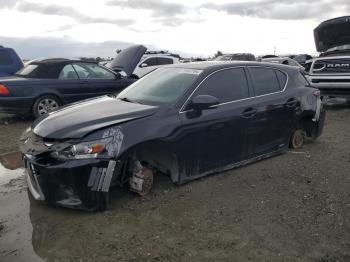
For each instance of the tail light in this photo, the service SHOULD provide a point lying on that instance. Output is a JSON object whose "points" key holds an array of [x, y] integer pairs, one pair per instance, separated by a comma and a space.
{"points": [[4, 90]]}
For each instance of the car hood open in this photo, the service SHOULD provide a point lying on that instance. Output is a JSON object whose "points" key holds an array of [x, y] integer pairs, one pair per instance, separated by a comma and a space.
{"points": [[128, 59], [80, 119], [332, 33]]}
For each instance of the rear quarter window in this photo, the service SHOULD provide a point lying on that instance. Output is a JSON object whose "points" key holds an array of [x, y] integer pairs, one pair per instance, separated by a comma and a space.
{"points": [[300, 80], [282, 78], [5, 58]]}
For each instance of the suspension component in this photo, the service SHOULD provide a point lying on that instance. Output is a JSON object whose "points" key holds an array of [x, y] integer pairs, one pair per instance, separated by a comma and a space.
{"points": [[141, 180]]}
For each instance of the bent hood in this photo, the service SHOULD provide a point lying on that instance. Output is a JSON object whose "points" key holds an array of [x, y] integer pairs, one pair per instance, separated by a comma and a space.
{"points": [[128, 59], [83, 118], [332, 33]]}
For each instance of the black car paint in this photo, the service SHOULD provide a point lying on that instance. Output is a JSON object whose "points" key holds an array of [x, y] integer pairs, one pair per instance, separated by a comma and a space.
{"points": [[195, 143], [25, 91]]}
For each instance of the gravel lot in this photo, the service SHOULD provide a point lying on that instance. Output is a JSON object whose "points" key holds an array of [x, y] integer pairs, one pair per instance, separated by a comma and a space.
{"points": [[293, 207]]}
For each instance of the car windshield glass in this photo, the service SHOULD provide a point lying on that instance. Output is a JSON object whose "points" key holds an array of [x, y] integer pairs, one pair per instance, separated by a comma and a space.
{"points": [[161, 87]]}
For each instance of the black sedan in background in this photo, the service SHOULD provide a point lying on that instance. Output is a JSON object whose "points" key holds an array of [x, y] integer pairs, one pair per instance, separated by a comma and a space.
{"points": [[185, 121], [44, 85]]}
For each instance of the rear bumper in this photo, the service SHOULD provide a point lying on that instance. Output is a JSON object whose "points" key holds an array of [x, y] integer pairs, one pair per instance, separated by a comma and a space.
{"points": [[78, 184], [320, 122], [15, 105]]}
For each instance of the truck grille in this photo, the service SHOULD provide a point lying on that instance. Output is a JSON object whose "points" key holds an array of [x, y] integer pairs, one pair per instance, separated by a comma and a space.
{"points": [[332, 66]]}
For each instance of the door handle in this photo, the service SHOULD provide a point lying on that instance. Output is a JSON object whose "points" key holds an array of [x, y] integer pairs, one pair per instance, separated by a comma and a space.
{"points": [[291, 102], [249, 112], [84, 82]]}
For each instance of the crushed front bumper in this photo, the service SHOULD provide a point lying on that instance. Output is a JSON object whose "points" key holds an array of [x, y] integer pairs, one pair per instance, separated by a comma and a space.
{"points": [[78, 184]]}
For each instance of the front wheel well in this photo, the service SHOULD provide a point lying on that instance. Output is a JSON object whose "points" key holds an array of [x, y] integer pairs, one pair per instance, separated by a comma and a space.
{"points": [[155, 155]]}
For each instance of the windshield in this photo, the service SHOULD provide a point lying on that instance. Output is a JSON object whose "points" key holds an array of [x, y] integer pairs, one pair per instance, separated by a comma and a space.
{"points": [[162, 86]]}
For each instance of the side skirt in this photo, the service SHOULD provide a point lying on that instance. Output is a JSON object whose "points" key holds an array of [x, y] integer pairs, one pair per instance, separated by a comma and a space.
{"points": [[184, 180]]}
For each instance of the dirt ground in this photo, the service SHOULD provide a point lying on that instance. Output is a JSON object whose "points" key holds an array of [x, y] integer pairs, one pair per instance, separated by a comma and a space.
{"points": [[293, 207]]}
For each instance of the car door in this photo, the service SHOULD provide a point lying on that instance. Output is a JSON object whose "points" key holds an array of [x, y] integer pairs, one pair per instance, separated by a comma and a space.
{"points": [[216, 138], [96, 80], [68, 84], [275, 110]]}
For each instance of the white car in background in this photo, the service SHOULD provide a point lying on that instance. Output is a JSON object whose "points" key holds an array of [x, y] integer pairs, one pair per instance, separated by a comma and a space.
{"points": [[146, 61]]}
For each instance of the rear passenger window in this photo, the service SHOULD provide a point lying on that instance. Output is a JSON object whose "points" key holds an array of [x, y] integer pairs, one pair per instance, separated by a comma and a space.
{"points": [[282, 78], [5, 58], [226, 85], [265, 81]]}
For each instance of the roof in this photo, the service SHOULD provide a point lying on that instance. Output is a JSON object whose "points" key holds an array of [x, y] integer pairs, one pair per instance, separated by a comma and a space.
{"points": [[215, 65], [59, 61]]}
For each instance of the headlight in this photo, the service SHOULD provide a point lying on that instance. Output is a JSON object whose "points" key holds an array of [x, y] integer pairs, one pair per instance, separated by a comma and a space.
{"points": [[92, 149]]}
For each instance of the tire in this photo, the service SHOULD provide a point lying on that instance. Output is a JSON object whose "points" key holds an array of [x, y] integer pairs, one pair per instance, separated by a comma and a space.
{"points": [[297, 139], [45, 104]]}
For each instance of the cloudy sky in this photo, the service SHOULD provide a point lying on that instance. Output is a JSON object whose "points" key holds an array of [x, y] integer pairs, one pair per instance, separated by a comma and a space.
{"points": [[44, 28]]}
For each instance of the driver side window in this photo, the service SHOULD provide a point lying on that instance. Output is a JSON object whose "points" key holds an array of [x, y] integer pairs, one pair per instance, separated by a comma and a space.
{"points": [[92, 71], [67, 73], [82, 72]]}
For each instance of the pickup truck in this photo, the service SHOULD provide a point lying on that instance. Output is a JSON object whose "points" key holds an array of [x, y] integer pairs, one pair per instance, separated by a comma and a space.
{"points": [[330, 72]]}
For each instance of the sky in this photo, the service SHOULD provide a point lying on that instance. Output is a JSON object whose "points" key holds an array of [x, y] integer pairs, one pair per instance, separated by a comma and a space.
{"points": [[74, 28]]}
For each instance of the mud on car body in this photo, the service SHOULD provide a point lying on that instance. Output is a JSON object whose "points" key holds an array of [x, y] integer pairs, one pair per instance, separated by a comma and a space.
{"points": [[185, 121]]}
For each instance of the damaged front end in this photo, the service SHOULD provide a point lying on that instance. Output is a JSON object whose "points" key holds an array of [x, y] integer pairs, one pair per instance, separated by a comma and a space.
{"points": [[72, 173]]}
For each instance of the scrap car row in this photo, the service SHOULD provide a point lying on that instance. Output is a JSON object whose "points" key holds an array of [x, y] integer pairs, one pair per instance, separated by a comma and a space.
{"points": [[148, 113]]}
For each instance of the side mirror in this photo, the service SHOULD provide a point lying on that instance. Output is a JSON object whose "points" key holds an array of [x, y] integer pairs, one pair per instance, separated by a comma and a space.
{"points": [[120, 75], [143, 65], [202, 102]]}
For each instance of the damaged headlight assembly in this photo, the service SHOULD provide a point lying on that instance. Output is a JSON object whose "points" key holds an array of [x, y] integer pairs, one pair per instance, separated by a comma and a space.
{"points": [[85, 150]]}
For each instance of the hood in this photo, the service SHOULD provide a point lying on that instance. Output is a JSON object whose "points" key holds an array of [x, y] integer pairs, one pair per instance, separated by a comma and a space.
{"points": [[332, 33], [82, 118], [128, 59]]}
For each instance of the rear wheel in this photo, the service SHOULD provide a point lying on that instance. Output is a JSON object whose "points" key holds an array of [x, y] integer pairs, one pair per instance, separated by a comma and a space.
{"points": [[297, 139], [45, 104]]}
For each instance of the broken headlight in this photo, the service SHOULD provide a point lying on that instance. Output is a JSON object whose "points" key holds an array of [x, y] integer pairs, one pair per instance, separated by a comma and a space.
{"points": [[85, 150]]}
